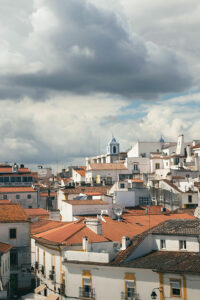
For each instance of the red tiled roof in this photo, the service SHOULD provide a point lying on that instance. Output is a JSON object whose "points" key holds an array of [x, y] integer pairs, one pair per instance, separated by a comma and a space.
{"points": [[70, 234], [87, 189], [5, 201], [16, 189], [10, 170], [45, 225], [93, 194], [12, 212], [36, 212], [196, 146], [135, 224], [136, 180], [109, 166], [80, 172], [4, 248], [45, 194]]}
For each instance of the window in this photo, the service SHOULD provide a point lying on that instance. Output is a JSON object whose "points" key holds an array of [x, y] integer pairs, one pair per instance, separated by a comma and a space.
{"points": [[175, 285], [143, 201], [86, 287], [18, 179], [13, 257], [182, 245], [157, 166], [130, 289], [12, 179], [5, 197], [1, 179], [17, 196], [114, 149], [190, 198], [135, 167], [122, 185], [162, 244], [29, 196], [30, 206], [6, 179], [12, 233], [25, 179]]}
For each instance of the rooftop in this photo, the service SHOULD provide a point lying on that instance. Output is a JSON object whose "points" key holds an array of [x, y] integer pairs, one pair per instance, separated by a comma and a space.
{"points": [[109, 166], [4, 248], [45, 225], [179, 227], [168, 261], [87, 189], [86, 202], [19, 189], [69, 234], [36, 212], [12, 212]]}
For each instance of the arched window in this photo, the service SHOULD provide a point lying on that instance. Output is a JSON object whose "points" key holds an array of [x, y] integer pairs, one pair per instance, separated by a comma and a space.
{"points": [[114, 149]]}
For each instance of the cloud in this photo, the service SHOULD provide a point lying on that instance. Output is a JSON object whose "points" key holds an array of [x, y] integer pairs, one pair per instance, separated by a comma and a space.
{"points": [[75, 46], [67, 131]]}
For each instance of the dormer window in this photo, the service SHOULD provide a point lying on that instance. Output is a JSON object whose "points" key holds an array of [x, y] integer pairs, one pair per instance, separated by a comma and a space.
{"points": [[162, 244], [182, 245]]}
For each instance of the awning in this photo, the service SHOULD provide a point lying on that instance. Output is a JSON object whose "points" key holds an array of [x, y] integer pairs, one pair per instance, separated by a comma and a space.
{"points": [[39, 288], [52, 297]]}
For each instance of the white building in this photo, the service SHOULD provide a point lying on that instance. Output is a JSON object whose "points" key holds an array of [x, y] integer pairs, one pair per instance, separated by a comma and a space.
{"points": [[15, 230], [130, 193], [170, 271], [68, 242], [4, 270], [112, 155], [105, 173]]}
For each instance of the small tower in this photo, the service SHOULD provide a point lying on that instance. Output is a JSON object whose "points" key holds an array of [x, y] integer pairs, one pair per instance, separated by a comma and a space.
{"points": [[113, 147], [112, 150], [180, 145]]}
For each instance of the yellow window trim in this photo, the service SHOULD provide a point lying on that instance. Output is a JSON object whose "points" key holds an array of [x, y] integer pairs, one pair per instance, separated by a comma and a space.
{"points": [[178, 280], [129, 277]]}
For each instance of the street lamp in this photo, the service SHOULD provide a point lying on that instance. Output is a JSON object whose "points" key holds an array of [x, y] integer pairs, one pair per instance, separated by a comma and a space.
{"points": [[153, 293]]}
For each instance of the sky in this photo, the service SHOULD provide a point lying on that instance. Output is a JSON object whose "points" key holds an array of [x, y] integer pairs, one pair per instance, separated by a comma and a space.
{"points": [[75, 72]]}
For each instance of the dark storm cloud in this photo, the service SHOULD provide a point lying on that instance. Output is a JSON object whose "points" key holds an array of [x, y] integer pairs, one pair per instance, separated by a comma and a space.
{"points": [[88, 51]]}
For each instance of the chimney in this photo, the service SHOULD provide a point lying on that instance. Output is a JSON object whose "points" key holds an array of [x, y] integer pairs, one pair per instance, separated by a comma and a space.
{"points": [[125, 242], [188, 151], [94, 225], [196, 160], [85, 243]]}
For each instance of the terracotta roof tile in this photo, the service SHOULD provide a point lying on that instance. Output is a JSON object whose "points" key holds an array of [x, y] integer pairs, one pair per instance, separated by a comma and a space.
{"points": [[70, 234], [111, 166], [45, 225], [168, 261], [36, 212], [80, 172], [12, 212], [4, 248], [87, 189], [16, 189]]}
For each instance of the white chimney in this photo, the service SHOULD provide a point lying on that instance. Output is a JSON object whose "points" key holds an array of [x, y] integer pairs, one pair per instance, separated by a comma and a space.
{"points": [[85, 243], [196, 160], [125, 242], [94, 225]]}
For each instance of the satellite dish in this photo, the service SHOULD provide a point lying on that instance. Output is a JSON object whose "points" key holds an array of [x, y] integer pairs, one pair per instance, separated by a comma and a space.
{"points": [[118, 212]]}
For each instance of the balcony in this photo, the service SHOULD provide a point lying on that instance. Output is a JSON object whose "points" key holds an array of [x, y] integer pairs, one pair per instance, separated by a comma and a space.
{"points": [[125, 296], [86, 293]]}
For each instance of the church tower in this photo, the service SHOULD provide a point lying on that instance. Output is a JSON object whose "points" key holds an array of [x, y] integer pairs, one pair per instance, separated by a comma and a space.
{"points": [[112, 150]]}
